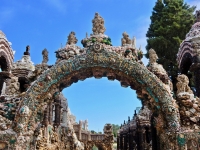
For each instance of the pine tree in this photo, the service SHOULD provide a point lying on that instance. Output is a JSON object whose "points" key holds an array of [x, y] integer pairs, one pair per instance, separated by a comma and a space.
{"points": [[171, 20]]}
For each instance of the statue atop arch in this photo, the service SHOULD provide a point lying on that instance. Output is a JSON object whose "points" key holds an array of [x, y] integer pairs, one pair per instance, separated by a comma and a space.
{"points": [[72, 39], [98, 24], [27, 50], [45, 56], [158, 69], [125, 40]]}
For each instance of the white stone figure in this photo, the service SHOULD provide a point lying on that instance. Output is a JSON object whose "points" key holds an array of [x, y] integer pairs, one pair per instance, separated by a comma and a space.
{"points": [[183, 87], [3, 91]]}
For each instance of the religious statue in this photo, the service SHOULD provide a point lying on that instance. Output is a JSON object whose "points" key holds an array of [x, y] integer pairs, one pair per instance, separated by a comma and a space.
{"points": [[98, 24], [3, 91], [45, 56], [125, 40], [155, 67], [72, 39], [158, 69], [182, 85], [27, 50]]}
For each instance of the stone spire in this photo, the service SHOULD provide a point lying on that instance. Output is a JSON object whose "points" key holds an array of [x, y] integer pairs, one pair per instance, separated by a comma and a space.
{"points": [[98, 24], [197, 15]]}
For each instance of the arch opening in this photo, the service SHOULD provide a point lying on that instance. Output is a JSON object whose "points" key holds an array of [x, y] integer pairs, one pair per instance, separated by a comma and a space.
{"points": [[3, 63]]}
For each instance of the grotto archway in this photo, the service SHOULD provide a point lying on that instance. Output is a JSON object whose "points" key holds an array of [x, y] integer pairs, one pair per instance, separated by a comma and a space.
{"points": [[97, 64]]}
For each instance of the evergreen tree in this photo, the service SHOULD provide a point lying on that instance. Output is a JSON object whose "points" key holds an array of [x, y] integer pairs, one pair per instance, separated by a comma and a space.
{"points": [[171, 20]]}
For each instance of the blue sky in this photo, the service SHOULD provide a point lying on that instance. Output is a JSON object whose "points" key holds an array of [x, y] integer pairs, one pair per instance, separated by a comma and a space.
{"points": [[47, 23]]}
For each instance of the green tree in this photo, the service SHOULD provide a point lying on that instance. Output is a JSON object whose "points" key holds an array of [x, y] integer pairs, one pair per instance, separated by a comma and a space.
{"points": [[93, 132], [171, 20], [115, 129]]}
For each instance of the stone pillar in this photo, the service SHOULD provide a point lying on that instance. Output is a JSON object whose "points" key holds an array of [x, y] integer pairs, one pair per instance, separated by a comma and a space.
{"points": [[131, 140], [125, 141], [79, 131], [141, 139], [118, 142], [57, 103], [46, 114], [50, 113], [64, 117], [121, 142]]}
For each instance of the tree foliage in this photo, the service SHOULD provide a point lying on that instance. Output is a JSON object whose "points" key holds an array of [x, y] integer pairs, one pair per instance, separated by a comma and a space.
{"points": [[171, 20], [115, 129]]}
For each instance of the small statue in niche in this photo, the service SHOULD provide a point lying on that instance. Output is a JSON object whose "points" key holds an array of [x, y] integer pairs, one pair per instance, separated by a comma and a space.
{"points": [[72, 39], [45, 56], [125, 40], [182, 85], [27, 50]]}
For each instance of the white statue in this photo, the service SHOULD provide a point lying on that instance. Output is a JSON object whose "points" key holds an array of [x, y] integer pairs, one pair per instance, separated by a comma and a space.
{"points": [[3, 91]]}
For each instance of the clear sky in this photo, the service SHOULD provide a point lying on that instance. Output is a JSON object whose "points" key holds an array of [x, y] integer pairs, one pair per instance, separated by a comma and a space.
{"points": [[47, 23]]}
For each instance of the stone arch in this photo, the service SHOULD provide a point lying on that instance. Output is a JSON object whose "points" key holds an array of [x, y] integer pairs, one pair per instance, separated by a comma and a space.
{"points": [[186, 62], [4, 62], [97, 64], [6, 53], [185, 51]]}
